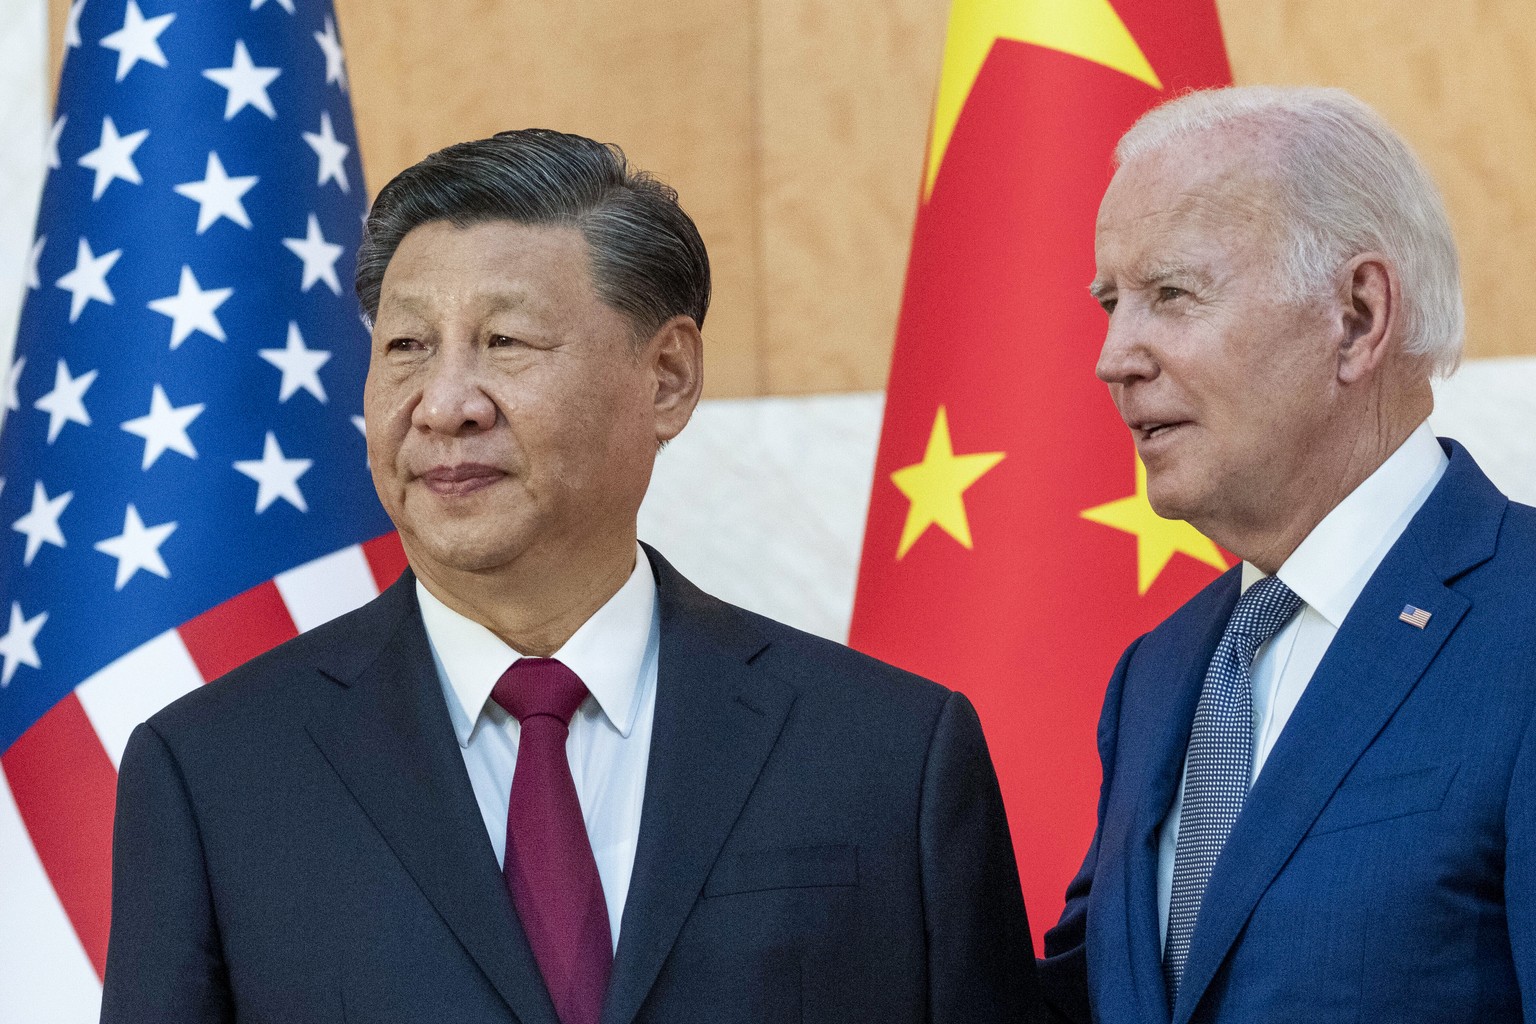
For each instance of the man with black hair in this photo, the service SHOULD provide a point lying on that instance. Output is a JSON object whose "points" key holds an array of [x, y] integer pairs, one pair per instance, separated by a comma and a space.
{"points": [[543, 778]]}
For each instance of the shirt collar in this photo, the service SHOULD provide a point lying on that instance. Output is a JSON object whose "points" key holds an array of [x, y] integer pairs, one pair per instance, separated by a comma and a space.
{"points": [[1331, 566], [609, 652]]}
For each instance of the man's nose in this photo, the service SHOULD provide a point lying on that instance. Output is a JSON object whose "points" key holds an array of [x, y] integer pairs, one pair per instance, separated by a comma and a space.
{"points": [[1125, 355], [453, 399]]}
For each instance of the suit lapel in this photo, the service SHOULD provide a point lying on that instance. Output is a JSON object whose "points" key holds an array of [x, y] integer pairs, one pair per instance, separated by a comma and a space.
{"points": [[1370, 668], [717, 719], [388, 737], [1175, 691]]}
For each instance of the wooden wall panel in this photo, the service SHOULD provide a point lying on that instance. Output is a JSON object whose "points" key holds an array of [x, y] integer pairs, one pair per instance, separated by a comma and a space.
{"points": [[794, 130], [846, 93]]}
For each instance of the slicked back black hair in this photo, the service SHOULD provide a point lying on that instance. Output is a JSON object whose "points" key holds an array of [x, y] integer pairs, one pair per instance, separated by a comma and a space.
{"points": [[647, 259]]}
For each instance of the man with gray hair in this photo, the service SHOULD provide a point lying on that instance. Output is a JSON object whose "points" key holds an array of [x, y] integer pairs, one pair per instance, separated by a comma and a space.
{"points": [[1319, 775], [543, 778]]}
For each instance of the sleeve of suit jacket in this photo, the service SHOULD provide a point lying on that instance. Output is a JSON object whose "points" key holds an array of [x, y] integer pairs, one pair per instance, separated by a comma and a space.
{"points": [[973, 905], [1064, 971], [166, 964]]}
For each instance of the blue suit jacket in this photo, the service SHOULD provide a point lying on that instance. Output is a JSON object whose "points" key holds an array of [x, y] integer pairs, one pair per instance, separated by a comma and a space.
{"points": [[1384, 866], [822, 838]]}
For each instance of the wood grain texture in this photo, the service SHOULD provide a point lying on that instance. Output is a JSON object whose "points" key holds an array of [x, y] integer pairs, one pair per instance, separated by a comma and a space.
{"points": [[794, 130], [846, 96]]}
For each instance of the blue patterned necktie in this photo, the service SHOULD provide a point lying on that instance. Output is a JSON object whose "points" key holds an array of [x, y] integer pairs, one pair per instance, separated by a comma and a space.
{"points": [[1219, 763]]}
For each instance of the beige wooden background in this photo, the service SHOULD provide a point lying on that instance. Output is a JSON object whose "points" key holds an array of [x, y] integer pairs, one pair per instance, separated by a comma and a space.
{"points": [[794, 130]]}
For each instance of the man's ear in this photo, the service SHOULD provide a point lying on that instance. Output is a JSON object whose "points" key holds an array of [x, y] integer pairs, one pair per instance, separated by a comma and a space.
{"points": [[676, 355], [1370, 294]]}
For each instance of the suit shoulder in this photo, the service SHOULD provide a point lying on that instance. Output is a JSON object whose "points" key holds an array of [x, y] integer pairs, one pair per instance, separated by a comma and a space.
{"points": [[815, 664], [800, 656], [283, 681], [1519, 530], [834, 656], [1505, 579]]}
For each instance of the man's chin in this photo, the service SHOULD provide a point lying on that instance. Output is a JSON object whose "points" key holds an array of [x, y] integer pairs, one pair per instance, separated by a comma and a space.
{"points": [[1172, 498], [451, 553]]}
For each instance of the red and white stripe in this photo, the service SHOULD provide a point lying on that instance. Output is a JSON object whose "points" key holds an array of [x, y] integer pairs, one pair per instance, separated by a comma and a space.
{"points": [[59, 780]]}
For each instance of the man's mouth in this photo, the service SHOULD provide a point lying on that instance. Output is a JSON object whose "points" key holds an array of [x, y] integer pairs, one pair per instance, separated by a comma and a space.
{"points": [[1150, 430], [462, 478]]}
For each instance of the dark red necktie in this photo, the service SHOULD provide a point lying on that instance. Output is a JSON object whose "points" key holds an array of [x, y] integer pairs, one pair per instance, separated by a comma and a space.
{"points": [[549, 867]]}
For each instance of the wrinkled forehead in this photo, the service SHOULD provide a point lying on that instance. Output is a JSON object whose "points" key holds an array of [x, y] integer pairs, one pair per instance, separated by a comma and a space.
{"points": [[1219, 172], [1209, 188]]}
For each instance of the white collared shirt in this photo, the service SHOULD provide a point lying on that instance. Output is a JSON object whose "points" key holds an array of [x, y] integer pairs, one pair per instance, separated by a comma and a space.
{"points": [[1328, 570], [614, 653]]}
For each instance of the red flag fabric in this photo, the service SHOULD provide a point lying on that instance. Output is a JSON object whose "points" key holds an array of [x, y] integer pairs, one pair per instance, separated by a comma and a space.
{"points": [[1010, 551]]}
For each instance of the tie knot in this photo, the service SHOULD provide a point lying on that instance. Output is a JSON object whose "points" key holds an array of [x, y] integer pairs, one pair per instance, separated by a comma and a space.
{"points": [[539, 686], [1263, 609]]}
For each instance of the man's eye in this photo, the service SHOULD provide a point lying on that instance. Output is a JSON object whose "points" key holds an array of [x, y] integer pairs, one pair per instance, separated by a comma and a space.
{"points": [[502, 341], [403, 345], [1168, 293], [1108, 304]]}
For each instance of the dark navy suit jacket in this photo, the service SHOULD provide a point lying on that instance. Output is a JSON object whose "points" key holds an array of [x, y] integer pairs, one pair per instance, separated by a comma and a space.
{"points": [[822, 839], [1383, 869]]}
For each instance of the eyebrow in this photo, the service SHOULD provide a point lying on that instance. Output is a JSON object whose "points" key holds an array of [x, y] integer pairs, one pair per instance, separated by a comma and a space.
{"points": [[1149, 277], [493, 302], [1158, 273]]}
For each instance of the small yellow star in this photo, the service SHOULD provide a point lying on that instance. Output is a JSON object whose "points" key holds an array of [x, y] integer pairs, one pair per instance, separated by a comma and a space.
{"points": [[935, 485], [1157, 539]]}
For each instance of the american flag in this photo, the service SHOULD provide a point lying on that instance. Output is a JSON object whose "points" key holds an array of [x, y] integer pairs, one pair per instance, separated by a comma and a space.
{"points": [[184, 474]]}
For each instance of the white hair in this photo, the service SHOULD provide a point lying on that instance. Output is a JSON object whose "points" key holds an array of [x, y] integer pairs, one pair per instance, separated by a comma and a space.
{"points": [[1348, 184]]}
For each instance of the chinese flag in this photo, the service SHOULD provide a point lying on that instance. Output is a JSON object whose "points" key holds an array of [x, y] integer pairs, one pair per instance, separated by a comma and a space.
{"points": [[1010, 551]]}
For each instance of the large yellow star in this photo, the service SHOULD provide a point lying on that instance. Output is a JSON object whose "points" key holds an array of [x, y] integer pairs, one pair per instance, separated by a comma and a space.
{"points": [[1157, 539], [1083, 28], [935, 486]]}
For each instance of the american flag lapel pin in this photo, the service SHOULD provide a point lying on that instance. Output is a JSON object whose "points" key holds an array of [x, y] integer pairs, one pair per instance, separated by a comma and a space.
{"points": [[1415, 617]]}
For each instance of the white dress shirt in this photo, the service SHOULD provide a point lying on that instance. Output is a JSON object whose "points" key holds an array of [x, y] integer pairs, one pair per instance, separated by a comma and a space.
{"points": [[614, 653], [1328, 570]]}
